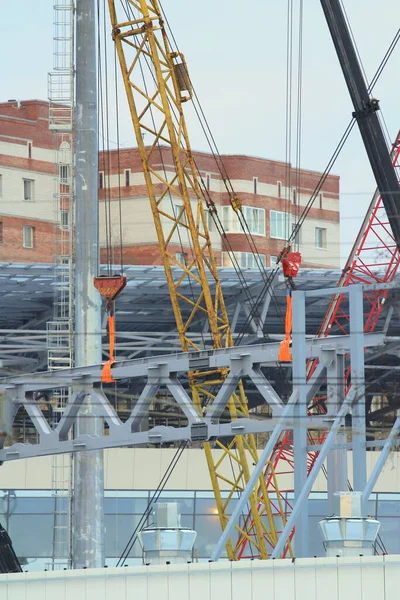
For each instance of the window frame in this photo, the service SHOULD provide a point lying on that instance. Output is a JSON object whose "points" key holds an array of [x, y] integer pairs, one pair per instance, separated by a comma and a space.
{"points": [[245, 260], [32, 232], [26, 180], [323, 239], [230, 220], [64, 225], [284, 225], [261, 219]]}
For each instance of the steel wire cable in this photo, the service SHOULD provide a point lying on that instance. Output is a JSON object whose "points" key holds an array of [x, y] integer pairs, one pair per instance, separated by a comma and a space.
{"points": [[142, 521], [217, 157], [332, 160]]}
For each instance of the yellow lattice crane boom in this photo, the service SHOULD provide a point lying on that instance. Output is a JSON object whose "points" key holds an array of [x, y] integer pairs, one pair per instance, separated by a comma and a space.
{"points": [[157, 84]]}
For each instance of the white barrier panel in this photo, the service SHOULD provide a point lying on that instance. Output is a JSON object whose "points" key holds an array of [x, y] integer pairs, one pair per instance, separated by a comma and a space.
{"points": [[361, 578]]}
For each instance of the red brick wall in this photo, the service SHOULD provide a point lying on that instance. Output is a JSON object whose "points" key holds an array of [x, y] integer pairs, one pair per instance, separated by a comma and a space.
{"points": [[11, 248], [28, 120]]}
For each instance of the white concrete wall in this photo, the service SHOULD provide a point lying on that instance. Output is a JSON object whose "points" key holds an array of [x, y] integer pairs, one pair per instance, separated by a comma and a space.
{"points": [[364, 578], [21, 151], [320, 256], [143, 468], [12, 201]]}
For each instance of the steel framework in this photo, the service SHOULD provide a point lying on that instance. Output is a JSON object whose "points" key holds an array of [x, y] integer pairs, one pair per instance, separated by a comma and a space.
{"points": [[374, 259], [242, 362], [157, 84]]}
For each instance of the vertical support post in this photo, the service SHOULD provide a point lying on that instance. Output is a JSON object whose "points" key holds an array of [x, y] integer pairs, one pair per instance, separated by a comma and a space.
{"points": [[337, 471], [337, 458], [88, 509], [300, 414], [358, 383]]}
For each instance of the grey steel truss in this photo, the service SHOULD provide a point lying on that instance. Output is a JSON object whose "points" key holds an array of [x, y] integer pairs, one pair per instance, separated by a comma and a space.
{"points": [[340, 403], [168, 372]]}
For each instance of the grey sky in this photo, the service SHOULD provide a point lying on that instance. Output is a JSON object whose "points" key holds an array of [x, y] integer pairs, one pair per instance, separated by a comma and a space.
{"points": [[236, 57]]}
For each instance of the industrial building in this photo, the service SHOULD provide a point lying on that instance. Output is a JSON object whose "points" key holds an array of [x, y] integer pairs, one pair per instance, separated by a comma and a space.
{"points": [[214, 409]]}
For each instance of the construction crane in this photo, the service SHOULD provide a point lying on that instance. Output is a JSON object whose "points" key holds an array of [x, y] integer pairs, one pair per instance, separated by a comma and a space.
{"points": [[375, 254], [181, 211]]}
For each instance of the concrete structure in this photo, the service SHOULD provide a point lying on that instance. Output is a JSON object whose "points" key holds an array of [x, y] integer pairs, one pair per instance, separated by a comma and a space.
{"points": [[27, 173], [361, 578]]}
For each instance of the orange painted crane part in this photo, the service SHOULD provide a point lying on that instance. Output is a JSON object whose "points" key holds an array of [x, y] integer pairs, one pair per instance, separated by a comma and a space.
{"points": [[109, 288], [285, 354], [291, 264]]}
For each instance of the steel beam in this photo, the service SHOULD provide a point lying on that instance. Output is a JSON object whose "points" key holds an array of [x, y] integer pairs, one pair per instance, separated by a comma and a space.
{"points": [[376, 471], [358, 384], [299, 371]]}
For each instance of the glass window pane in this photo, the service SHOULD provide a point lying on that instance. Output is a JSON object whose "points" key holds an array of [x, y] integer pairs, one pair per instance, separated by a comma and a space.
{"points": [[390, 534], [32, 535], [315, 537], [206, 506], [208, 533], [125, 505], [185, 505], [32, 505], [388, 508], [118, 530]]}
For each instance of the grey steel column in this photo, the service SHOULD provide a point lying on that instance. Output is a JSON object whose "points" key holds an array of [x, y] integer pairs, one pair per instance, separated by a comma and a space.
{"points": [[337, 471], [88, 509], [300, 417], [337, 458], [357, 382]]}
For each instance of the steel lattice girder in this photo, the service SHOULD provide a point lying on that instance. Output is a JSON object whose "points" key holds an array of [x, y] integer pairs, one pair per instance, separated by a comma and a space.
{"points": [[156, 372]]}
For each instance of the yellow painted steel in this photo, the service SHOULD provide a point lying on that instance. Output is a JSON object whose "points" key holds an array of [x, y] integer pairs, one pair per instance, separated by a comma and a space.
{"points": [[156, 82]]}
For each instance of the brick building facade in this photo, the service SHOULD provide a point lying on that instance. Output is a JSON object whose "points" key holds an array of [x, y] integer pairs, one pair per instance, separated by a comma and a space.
{"points": [[28, 221]]}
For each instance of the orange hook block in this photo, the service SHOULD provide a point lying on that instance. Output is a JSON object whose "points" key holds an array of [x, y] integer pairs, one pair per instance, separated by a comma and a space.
{"points": [[109, 287]]}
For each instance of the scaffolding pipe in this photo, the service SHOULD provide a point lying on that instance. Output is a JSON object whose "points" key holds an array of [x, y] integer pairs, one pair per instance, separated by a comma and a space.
{"points": [[88, 511]]}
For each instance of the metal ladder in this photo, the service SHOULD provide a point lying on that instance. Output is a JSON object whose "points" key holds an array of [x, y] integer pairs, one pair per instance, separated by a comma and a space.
{"points": [[60, 348]]}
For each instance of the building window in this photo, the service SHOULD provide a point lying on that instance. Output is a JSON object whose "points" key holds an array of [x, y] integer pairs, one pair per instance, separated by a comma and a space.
{"points": [[208, 182], [180, 215], [255, 183], [64, 220], [28, 189], [320, 200], [279, 222], [181, 257], [294, 196], [127, 177], [245, 260], [273, 261], [279, 185], [230, 220], [296, 238], [27, 236], [320, 237], [209, 220], [29, 150], [255, 219], [101, 180], [64, 174], [1, 232]]}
